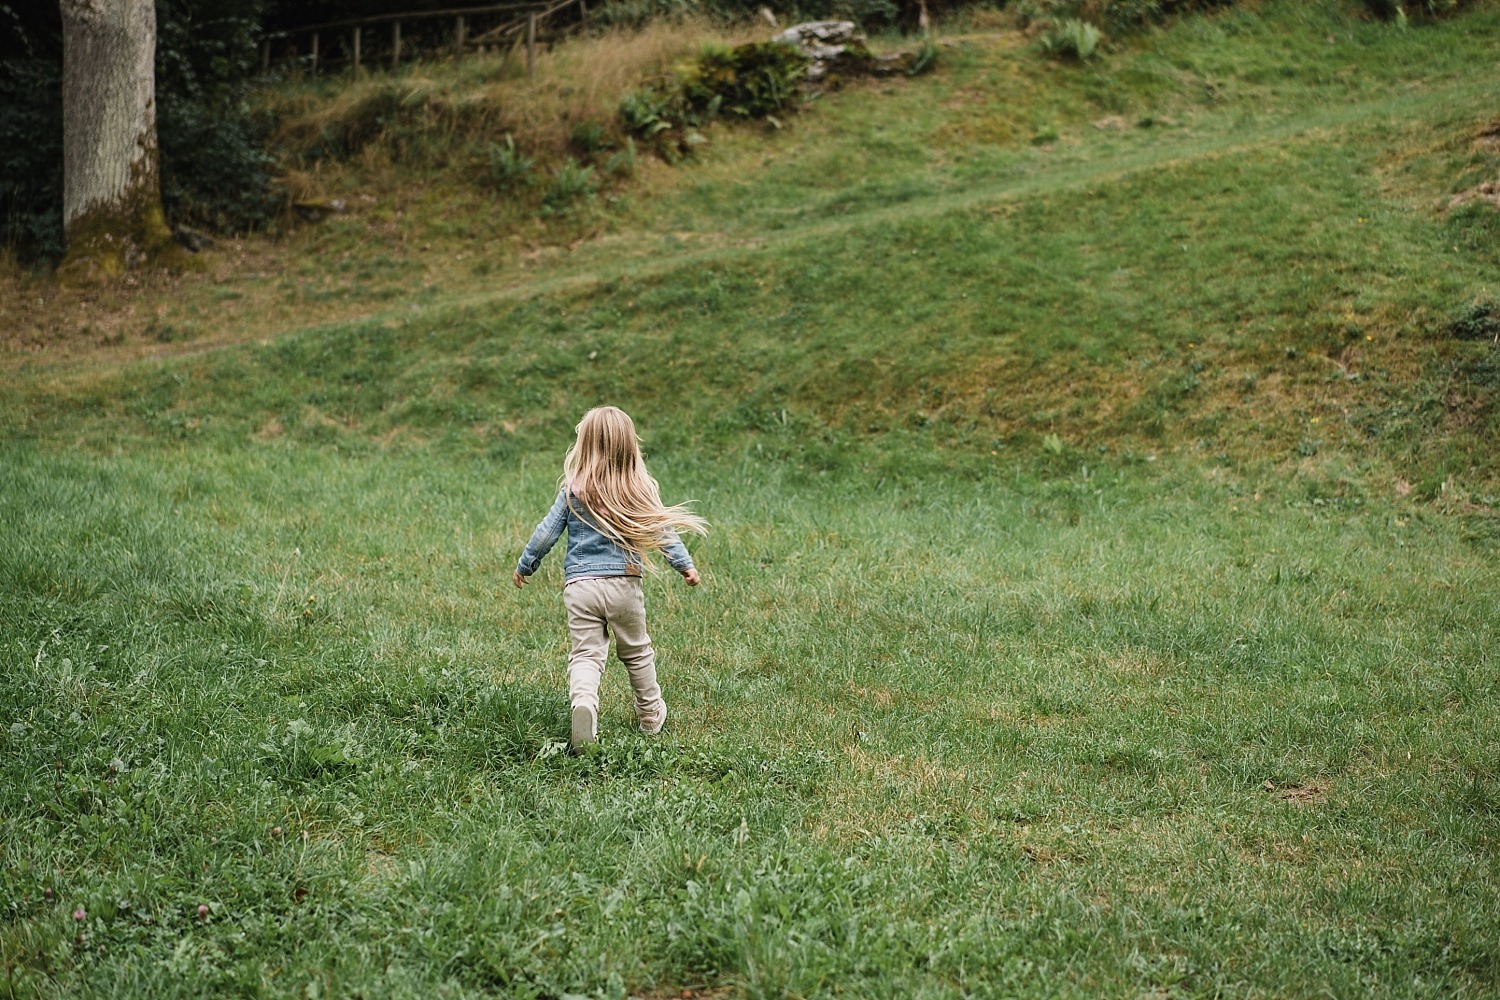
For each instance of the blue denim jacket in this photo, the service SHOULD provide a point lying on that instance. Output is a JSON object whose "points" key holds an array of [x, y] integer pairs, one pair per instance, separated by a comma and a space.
{"points": [[590, 551]]}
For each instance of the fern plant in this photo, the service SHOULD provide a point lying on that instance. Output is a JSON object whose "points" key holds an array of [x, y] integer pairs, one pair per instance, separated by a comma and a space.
{"points": [[1071, 39], [573, 182], [924, 59], [509, 167]]}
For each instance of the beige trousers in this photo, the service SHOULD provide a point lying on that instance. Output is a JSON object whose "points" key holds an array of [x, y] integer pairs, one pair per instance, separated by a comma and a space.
{"points": [[595, 608]]}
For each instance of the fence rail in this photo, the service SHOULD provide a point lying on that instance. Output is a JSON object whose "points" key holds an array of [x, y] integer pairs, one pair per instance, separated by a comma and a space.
{"points": [[528, 20]]}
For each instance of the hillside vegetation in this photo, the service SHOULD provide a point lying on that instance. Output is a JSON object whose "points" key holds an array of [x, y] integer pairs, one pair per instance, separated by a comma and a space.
{"points": [[1100, 597], [1234, 235]]}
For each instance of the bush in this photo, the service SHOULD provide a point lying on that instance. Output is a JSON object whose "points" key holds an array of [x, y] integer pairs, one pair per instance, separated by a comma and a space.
{"points": [[31, 157], [1480, 321], [746, 81], [509, 167], [1071, 39], [622, 162], [1128, 14], [1119, 15], [589, 138], [924, 59], [757, 80], [646, 112], [572, 183], [1398, 10], [215, 171]]}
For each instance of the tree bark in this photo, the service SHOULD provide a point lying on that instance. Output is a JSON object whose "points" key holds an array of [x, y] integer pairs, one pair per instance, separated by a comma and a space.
{"points": [[112, 213]]}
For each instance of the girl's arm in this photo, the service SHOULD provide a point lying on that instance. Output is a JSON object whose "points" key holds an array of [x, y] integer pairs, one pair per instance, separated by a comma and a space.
{"points": [[543, 538], [677, 555]]}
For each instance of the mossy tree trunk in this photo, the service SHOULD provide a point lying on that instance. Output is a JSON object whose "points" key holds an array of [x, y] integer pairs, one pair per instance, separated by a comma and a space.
{"points": [[112, 214]]}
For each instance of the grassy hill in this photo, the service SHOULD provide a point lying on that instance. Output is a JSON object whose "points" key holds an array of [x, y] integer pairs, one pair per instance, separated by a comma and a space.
{"points": [[1100, 599], [1214, 238]]}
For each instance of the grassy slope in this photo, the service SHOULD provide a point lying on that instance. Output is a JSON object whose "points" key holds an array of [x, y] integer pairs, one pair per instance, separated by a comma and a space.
{"points": [[957, 713], [1269, 258]]}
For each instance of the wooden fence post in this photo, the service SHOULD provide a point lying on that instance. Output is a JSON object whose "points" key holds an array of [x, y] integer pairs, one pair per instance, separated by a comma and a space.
{"points": [[395, 44], [531, 45], [315, 54], [356, 48], [458, 37]]}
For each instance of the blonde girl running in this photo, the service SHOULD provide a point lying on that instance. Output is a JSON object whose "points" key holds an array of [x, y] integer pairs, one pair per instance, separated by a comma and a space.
{"points": [[612, 511]]}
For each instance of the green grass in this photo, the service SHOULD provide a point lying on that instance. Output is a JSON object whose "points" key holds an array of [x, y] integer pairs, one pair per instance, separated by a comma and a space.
{"points": [[1101, 597], [1052, 736]]}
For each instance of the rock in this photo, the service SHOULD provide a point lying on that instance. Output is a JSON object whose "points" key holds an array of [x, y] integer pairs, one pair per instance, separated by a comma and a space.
{"points": [[192, 240], [895, 62], [837, 48], [812, 34], [826, 43], [317, 211]]}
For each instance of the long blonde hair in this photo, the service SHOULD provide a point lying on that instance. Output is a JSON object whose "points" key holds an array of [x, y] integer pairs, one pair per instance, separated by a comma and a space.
{"points": [[605, 470]]}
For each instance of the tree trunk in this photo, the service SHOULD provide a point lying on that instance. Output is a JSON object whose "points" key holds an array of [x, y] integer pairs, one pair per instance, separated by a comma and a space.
{"points": [[112, 214]]}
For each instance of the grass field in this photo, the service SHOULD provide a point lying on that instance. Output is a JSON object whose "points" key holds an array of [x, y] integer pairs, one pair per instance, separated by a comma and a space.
{"points": [[1101, 598]]}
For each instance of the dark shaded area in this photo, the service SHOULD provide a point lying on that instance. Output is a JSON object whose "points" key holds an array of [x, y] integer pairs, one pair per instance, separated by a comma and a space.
{"points": [[214, 168]]}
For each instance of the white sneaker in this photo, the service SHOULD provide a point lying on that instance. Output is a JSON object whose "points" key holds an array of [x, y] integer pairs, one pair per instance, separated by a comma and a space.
{"points": [[585, 728], [652, 730]]}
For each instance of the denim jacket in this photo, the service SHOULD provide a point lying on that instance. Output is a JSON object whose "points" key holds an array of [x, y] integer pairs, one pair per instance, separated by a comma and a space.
{"points": [[590, 551]]}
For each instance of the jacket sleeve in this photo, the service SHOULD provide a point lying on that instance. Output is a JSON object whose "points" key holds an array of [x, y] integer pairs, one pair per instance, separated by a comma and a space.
{"points": [[676, 552], [545, 536]]}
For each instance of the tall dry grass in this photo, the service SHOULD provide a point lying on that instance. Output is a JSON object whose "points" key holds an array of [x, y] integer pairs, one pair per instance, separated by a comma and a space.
{"points": [[439, 109]]}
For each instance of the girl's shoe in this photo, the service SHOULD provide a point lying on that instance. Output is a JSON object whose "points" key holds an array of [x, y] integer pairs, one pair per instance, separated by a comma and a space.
{"points": [[585, 728], [656, 724]]}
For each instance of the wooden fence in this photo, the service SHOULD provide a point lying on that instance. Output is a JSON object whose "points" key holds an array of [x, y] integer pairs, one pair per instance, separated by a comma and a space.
{"points": [[511, 22]]}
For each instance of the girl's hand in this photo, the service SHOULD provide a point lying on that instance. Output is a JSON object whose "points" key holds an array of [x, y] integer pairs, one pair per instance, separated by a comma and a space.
{"points": [[692, 577], [519, 579]]}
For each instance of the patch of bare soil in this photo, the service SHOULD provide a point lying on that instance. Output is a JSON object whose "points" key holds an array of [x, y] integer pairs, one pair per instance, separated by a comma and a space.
{"points": [[1489, 135], [1297, 793], [1488, 192], [1486, 139]]}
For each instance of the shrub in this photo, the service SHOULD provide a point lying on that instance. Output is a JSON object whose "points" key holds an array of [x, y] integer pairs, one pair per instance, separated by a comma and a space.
{"points": [[215, 171], [645, 112], [747, 81], [1071, 39], [621, 163], [31, 158], [1480, 321], [589, 138], [573, 182], [509, 167], [1119, 15], [756, 80], [1397, 10], [1128, 14], [924, 59]]}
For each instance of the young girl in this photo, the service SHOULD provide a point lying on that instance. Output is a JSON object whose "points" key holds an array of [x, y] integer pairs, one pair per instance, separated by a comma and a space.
{"points": [[612, 510]]}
